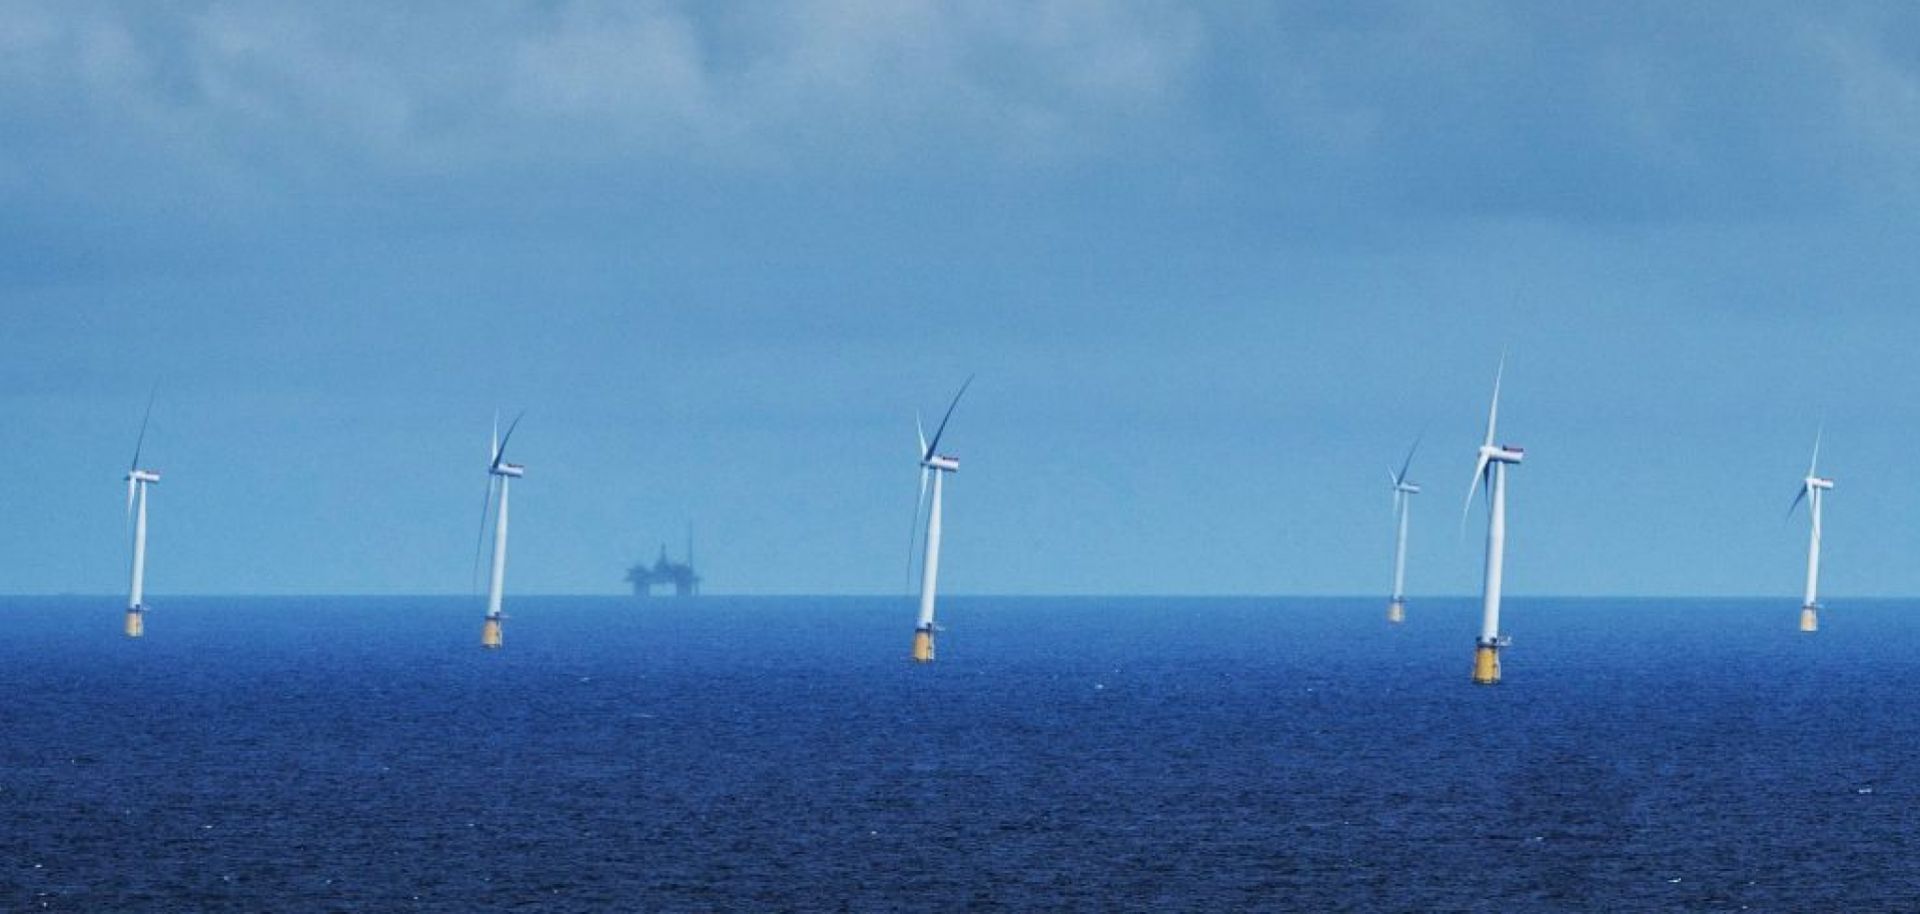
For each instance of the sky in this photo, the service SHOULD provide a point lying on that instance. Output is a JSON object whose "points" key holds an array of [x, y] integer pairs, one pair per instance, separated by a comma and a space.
{"points": [[1215, 266]]}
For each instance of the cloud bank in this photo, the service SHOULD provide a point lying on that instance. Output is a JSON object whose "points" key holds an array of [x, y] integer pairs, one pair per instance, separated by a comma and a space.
{"points": [[1522, 110]]}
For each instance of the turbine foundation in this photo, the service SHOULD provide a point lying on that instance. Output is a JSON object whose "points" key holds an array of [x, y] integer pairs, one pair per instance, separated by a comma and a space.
{"points": [[490, 633], [1397, 612], [1809, 619], [1486, 663], [923, 645], [136, 622]]}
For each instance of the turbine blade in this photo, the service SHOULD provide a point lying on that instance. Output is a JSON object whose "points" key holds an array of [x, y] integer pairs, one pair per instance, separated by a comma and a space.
{"points": [[141, 441], [500, 450], [1493, 411], [920, 430], [1408, 463], [1798, 497], [493, 445], [130, 485], [1479, 472], [931, 446], [913, 533], [480, 542], [1813, 464]]}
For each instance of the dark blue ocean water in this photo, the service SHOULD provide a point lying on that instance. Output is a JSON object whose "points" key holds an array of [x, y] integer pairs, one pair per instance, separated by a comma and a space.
{"points": [[363, 754]]}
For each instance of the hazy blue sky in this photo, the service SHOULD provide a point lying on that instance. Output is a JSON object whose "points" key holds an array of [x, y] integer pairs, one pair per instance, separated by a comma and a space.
{"points": [[1215, 266]]}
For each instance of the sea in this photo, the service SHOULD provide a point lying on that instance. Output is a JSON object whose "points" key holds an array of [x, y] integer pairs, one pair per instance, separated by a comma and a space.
{"points": [[1063, 754]]}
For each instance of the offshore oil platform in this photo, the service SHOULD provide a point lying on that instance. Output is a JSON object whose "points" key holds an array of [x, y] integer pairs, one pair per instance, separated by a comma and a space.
{"points": [[665, 573]]}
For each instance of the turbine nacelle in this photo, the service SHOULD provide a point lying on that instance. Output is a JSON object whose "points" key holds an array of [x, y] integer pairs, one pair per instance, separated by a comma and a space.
{"points": [[1505, 453], [147, 476], [508, 469], [942, 463], [1407, 488], [1816, 482]]}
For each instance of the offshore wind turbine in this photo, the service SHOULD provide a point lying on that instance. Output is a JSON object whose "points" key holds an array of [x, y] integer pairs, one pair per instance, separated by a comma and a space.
{"points": [[938, 465], [1492, 467], [138, 480], [1812, 491], [500, 475], [1403, 492]]}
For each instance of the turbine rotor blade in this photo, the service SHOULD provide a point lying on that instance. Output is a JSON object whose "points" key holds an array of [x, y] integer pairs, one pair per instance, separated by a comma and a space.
{"points": [[913, 533], [935, 443], [480, 542], [1479, 471], [1493, 411], [1813, 464], [1408, 463], [920, 430], [141, 441], [500, 450], [1798, 497], [130, 485]]}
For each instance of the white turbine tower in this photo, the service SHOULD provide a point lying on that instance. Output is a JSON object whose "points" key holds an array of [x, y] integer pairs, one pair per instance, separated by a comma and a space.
{"points": [[938, 465], [500, 474], [1812, 490], [1403, 492], [1492, 467], [137, 482]]}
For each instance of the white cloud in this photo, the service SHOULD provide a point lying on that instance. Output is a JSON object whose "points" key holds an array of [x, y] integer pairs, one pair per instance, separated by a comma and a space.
{"points": [[1878, 104], [459, 86], [610, 79], [1455, 108]]}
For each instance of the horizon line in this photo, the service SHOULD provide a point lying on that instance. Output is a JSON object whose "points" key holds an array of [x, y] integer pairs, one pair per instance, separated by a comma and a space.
{"points": [[958, 596]]}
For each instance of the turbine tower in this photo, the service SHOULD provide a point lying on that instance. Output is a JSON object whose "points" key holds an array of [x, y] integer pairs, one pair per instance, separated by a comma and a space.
{"points": [[1403, 492], [1812, 490], [500, 474], [137, 482], [1492, 467], [938, 465]]}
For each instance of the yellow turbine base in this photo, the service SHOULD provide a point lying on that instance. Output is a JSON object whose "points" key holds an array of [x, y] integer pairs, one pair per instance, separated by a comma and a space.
{"points": [[1396, 612], [1486, 664], [490, 634], [922, 646], [136, 623], [1809, 619]]}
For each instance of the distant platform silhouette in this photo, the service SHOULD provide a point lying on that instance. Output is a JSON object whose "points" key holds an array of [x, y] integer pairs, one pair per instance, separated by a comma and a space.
{"points": [[665, 574]]}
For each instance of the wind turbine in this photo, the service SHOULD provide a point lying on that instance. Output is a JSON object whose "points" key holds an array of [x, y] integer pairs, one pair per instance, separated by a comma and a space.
{"points": [[1403, 492], [500, 474], [1492, 467], [1812, 490], [137, 482], [937, 465]]}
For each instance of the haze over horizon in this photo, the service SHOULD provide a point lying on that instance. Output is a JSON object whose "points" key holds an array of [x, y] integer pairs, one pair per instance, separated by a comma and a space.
{"points": [[1215, 269]]}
